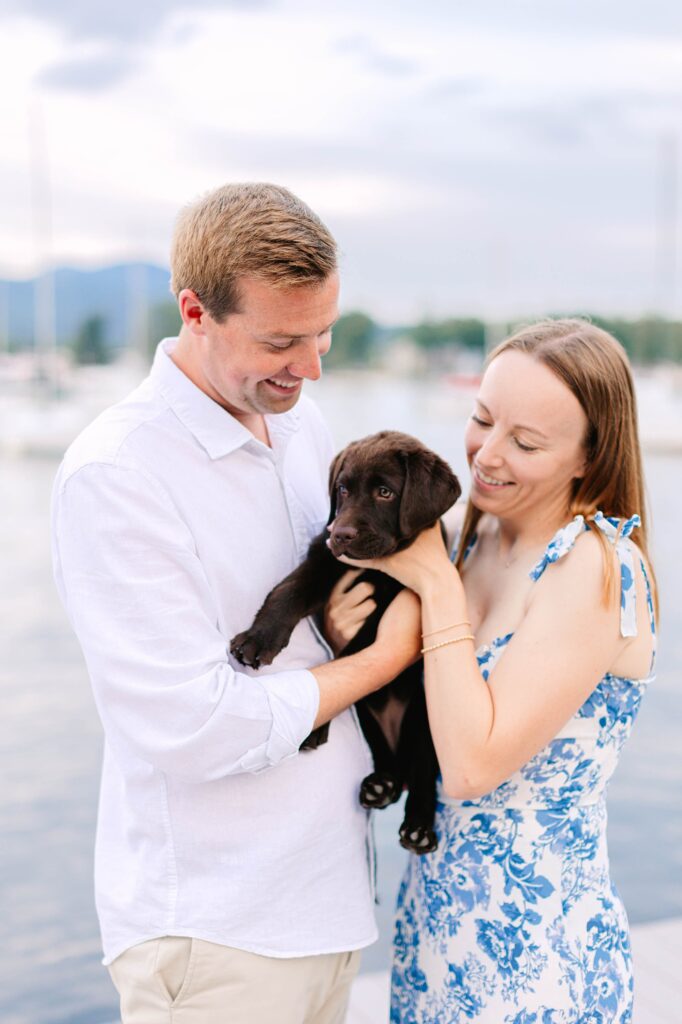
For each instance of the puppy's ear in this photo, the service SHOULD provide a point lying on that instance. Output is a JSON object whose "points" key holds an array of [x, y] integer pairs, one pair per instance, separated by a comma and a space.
{"points": [[431, 488], [338, 463], [334, 470]]}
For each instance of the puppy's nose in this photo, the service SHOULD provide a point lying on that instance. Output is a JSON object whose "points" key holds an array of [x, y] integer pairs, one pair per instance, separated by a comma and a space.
{"points": [[344, 535]]}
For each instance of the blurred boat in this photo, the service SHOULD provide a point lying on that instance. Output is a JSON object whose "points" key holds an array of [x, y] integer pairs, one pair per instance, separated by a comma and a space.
{"points": [[464, 380]]}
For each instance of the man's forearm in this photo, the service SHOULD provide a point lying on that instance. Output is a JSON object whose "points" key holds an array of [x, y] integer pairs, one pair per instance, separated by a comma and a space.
{"points": [[346, 680]]}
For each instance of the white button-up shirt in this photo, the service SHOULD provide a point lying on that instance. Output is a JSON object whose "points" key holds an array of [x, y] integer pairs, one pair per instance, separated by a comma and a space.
{"points": [[171, 523]]}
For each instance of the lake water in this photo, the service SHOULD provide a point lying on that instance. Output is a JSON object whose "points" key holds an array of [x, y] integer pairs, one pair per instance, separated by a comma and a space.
{"points": [[50, 743]]}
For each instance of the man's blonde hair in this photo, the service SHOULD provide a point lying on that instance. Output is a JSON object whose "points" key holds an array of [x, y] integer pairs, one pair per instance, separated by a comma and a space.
{"points": [[251, 229]]}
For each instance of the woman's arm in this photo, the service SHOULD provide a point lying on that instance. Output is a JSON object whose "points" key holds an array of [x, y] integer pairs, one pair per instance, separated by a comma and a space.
{"points": [[483, 732]]}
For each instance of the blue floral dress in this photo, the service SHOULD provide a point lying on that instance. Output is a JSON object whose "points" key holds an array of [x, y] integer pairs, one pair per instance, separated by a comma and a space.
{"points": [[514, 919]]}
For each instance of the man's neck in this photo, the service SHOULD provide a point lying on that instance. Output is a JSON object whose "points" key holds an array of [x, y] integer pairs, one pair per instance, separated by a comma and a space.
{"points": [[258, 427], [254, 422]]}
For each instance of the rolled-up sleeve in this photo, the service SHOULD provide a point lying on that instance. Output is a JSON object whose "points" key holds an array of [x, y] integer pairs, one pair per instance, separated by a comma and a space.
{"points": [[134, 588]]}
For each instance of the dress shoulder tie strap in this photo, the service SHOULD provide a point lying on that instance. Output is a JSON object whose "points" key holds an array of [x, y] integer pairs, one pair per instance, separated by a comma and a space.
{"points": [[561, 543], [617, 532]]}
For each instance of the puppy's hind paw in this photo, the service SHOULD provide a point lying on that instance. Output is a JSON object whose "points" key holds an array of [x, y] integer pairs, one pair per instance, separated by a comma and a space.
{"points": [[418, 838], [379, 790]]}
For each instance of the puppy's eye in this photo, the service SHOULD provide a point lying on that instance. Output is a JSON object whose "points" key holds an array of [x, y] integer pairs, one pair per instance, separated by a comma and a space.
{"points": [[386, 493], [342, 491]]}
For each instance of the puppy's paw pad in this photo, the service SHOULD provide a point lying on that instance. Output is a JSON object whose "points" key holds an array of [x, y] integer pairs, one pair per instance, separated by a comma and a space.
{"points": [[379, 790], [418, 838]]}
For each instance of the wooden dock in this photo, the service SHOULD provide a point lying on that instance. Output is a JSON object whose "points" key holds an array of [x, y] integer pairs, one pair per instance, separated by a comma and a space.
{"points": [[657, 955]]}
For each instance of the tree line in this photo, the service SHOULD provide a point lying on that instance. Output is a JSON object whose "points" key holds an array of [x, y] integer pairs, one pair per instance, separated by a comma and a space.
{"points": [[357, 337], [359, 340]]}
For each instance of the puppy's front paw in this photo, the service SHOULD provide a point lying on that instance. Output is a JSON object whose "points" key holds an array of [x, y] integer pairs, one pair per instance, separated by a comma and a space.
{"points": [[379, 790], [417, 838], [256, 647], [246, 648]]}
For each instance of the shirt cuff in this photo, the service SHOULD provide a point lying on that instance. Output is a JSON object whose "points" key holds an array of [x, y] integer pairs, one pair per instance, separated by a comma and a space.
{"points": [[294, 699]]}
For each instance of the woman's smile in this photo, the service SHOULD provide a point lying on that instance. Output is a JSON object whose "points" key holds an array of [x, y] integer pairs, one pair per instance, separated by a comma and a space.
{"points": [[487, 482]]}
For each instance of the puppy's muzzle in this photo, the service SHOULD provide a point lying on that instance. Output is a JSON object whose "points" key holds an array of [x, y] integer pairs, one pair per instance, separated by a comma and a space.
{"points": [[341, 538], [355, 543]]}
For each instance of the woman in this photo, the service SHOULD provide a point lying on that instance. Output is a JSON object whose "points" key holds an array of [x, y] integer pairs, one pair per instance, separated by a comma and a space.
{"points": [[538, 646]]}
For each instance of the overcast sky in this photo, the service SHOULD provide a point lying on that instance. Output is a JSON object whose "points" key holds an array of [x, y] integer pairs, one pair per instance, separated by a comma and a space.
{"points": [[492, 157]]}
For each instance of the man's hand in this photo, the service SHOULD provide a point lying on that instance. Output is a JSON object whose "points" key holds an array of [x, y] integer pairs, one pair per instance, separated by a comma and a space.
{"points": [[398, 644], [347, 609]]}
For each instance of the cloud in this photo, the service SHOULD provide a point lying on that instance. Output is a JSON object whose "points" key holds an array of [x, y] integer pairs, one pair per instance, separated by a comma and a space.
{"points": [[121, 27], [384, 176], [461, 163], [450, 87], [578, 121], [122, 21], [657, 19], [89, 74], [375, 58]]}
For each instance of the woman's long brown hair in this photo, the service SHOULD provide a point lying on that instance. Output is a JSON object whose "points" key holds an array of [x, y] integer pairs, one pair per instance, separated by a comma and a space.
{"points": [[594, 366]]}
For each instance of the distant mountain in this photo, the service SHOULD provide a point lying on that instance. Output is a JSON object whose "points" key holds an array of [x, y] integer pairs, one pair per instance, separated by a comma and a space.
{"points": [[121, 295]]}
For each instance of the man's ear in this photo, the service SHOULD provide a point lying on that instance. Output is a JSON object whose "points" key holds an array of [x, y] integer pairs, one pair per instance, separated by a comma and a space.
{"points": [[430, 489], [191, 310]]}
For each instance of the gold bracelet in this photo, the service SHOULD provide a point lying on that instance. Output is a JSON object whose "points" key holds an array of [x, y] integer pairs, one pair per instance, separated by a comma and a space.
{"points": [[444, 643], [443, 628]]}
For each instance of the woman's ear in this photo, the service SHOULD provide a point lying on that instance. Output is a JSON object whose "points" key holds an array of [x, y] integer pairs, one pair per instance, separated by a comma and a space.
{"points": [[588, 448], [583, 462]]}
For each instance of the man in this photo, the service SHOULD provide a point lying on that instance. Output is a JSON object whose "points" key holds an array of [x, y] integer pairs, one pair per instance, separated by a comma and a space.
{"points": [[232, 876]]}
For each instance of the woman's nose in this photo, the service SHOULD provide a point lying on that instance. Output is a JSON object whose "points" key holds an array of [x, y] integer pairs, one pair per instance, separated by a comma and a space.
{"points": [[490, 452]]}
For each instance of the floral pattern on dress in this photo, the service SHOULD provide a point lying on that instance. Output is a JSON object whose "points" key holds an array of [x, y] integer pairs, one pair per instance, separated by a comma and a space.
{"points": [[514, 919]]}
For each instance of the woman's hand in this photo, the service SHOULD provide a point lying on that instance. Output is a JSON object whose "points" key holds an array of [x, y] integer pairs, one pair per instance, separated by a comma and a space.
{"points": [[346, 610], [421, 565]]}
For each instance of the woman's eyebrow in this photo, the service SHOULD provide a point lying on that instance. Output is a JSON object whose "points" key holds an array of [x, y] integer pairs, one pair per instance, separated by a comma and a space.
{"points": [[518, 426]]}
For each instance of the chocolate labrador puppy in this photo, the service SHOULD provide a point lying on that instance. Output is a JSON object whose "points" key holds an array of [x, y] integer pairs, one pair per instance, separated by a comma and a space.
{"points": [[385, 489]]}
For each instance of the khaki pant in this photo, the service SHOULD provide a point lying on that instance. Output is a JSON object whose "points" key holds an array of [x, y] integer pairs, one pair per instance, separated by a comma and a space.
{"points": [[190, 981]]}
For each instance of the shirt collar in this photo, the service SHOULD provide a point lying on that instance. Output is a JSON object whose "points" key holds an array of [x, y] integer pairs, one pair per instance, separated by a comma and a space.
{"points": [[216, 430]]}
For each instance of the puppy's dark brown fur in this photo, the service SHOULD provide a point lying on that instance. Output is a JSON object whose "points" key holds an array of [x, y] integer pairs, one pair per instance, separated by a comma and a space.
{"points": [[385, 489]]}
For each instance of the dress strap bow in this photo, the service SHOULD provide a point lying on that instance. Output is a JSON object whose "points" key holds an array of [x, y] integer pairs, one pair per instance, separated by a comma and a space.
{"points": [[616, 532]]}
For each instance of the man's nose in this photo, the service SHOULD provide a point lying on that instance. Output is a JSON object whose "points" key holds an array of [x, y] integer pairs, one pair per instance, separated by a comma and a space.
{"points": [[307, 363]]}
